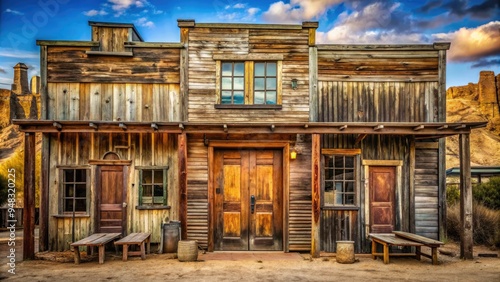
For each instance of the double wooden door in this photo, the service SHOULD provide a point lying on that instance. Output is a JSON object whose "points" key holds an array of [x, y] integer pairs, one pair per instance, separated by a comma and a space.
{"points": [[248, 200]]}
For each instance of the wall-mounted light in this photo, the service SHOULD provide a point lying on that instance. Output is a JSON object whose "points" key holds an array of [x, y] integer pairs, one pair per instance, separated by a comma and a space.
{"points": [[294, 83], [293, 154]]}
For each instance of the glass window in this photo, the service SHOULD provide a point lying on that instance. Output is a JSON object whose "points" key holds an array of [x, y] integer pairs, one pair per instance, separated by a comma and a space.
{"points": [[233, 83], [339, 180], [153, 187], [75, 187], [265, 83]]}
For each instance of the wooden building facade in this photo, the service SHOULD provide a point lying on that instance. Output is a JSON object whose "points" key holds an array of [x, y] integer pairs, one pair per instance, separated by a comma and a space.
{"points": [[255, 137]]}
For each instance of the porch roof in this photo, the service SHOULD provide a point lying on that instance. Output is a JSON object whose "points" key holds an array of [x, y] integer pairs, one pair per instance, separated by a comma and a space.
{"points": [[418, 129]]}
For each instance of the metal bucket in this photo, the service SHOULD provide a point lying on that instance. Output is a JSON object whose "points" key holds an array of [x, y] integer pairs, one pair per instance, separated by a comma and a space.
{"points": [[171, 234], [345, 252]]}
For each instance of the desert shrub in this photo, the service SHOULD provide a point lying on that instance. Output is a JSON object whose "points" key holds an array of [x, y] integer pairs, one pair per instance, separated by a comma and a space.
{"points": [[488, 193], [452, 194], [486, 224]]}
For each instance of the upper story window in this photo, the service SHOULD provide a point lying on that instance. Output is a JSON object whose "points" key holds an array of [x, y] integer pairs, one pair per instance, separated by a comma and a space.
{"points": [[248, 81]]}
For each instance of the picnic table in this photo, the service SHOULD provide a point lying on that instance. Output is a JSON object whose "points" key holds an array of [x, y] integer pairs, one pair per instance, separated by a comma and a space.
{"points": [[431, 243], [388, 240], [95, 240]]}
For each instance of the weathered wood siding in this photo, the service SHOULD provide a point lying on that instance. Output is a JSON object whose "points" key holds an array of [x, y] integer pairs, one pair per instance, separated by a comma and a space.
{"points": [[111, 39], [426, 190], [76, 149], [350, 64], [385, 101], [205, 42], [113, 102], [339, 225], [147, 65]]}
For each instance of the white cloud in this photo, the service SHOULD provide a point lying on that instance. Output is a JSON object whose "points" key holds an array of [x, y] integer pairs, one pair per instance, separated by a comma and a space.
{"points": [[17, 13], [16, 53], [93, 13], [239, 6], [144, 22], [252, 11], [2, 70], [471, 44], [298, 10]]}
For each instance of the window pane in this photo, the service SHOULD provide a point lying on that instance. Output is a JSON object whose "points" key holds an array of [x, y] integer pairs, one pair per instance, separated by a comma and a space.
{"points": [[259, 84], [349, 187], [239, 69], [271, 69], [146, 177], [339, 162], [239, 83], [81, 190], [69, 175], [339, 174], [158, 176], [328, 161], [271, 97], [80, 205], [259, 69], [68, 191], [81, 175], [238, 97], [349, 162], [328, 186], [330, 197], [258, 97], [68, 205], [147, 191], [349, 199], [227, 69], [226, 97], [349, 174], [227, 83], [271, 84], [158, 191]]}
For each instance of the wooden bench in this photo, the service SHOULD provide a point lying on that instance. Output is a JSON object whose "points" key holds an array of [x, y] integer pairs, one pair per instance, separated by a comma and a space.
{"points": [[431, 243], [95, 240], [140, 239], [388, 240]]}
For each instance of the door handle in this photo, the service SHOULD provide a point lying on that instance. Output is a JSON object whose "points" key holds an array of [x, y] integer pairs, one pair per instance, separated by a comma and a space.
{"points": [[252, 204], [124, 204]]}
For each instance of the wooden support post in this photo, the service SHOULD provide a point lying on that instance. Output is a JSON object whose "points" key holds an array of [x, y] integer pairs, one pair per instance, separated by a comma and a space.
{"points": [[29, 197], [44, 195], [316, 205], [466, 239], [182, 150]]}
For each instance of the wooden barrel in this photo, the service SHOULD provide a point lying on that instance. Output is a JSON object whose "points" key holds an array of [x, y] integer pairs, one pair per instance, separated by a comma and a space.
{"points": [[345, 252], [187, 250]]}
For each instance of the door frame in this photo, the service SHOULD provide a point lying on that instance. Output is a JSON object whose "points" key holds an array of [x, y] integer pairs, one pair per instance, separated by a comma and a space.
{"points": [[398, 190], [97, 191], [214, 145]]}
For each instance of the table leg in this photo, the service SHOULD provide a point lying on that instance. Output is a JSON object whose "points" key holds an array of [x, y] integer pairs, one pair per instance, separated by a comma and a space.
{"points": [[125, 252], [418, 251], [386, 253], [149, 244], [374, 249], [143, 250], [434, 256], [76, 251], [101, 254]]}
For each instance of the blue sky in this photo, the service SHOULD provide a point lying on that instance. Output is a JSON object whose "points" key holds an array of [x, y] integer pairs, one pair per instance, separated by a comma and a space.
{"points": [[472, 27]]}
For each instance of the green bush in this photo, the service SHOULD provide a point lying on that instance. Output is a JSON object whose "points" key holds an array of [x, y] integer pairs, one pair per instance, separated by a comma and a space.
{"points": [[488, 193], [452, 194]]}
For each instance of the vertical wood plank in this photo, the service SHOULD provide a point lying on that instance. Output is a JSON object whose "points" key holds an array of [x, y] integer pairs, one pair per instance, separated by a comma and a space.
{"points": [[74, 101], [119, 100], [182, 149], [466, 239], [184, 77], [29, 197], [130, 102], [147, 100], [313, 80], [316, 205], [44, 99], [107, 102], [412, 186], [95, 101], [84, 110], [44, 195]]}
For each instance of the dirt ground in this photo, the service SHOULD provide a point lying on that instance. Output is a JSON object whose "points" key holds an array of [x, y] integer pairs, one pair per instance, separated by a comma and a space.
{"points": [[222, 266]]}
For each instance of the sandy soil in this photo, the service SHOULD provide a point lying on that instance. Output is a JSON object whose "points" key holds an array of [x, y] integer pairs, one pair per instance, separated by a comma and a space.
{"points": [[256, 267]]}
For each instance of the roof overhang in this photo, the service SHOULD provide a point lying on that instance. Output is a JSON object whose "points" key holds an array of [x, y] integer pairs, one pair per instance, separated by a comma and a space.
{"points": [[419, 130]]}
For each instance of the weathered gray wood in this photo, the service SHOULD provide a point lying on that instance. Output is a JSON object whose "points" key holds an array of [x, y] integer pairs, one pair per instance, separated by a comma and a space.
{"points": [[29, 197], [313, 84], [466, 225]]}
